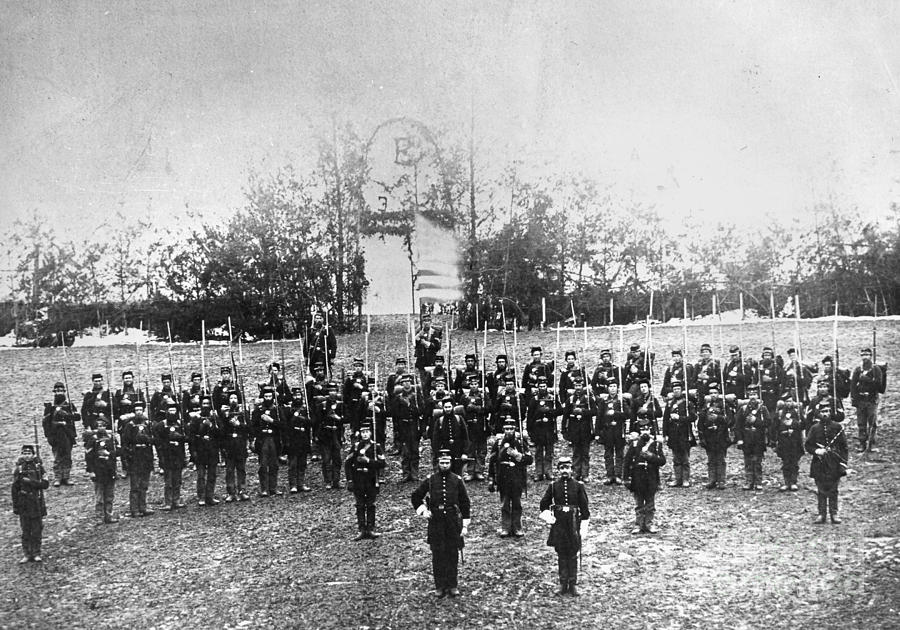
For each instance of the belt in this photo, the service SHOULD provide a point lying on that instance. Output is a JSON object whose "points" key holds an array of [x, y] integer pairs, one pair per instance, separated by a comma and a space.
{"points": [[141, 445], [267, 430], [563, 508], [362, 470], [234, 435], [508, 463]]}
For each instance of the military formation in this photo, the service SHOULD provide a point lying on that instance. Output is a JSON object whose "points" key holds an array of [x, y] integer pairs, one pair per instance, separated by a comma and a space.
{"points": [[498, 425]]}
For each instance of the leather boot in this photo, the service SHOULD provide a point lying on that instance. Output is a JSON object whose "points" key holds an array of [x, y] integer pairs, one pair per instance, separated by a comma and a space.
{"points": [[573, 590], [563, 588]]}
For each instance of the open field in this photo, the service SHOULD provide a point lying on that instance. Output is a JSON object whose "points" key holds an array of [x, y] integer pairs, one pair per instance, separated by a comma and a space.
{"points": [[722, 559]]}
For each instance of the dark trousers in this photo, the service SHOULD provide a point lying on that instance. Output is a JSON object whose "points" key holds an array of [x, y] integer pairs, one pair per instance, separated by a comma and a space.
{"points": [[753, 468], [139, 479], [827, 494], [511, 512], [543, 460], [644, 508], [331, 464], [716, 465], [790, 467], [567, 563], [866, 420], [445, 566], [297, 469], [104, 496], [235, 475], [268, 466], [172, 487], [612, 456], [581, 459], [409, 458], [681, 464], [62, 461], [477, 453], [365, 494], [32, 528], [206, 481]]}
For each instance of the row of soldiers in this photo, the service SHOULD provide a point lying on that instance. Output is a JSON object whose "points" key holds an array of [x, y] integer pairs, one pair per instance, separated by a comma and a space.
{"points": [[459, 410]]}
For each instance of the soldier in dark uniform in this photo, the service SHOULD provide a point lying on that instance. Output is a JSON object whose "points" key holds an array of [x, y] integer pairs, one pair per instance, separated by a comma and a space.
{"points": [[59, 429], [443, 500], [408, 416], [604, 373], [137, 458], [266, 423], [278, 382], [737, 374], [541, 425], [469, 373], [449, 433], [370, 407], [353, 387], [867, 382], [223, 388], [837, 378], [316, 393], [798, 377], [706, 372], [508, 403], [320, 345], [435, 374], [532, 373], [787, 431], [330, 435], [637, 368], [162, 398], [578, 426], [567, 378], [827, 443], [714, 422], [565, 507], [645, 405], [190, 397], [100, 456], [170, 439], [125, 397], [643, 458], [823, 398], [770, 379], [678, 430], [362, 469], [508, 471], [95, 401], [475, 410], [235, 432], [391, 388], [29, 483], [205, 435], [496, 380], [678, 372], [751, 429], [613, 417], [297, 432], [427, 343]]}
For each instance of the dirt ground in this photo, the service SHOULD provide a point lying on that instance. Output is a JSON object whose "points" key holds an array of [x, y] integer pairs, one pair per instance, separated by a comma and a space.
{"points": [[726, 559]]}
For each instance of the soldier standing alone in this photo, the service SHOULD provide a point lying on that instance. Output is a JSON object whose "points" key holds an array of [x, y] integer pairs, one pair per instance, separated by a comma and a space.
{"points": [[568, 523], [442, 499], [29, 483]]}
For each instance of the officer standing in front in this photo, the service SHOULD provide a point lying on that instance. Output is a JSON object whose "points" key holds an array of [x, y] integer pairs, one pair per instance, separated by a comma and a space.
{"points": [[565, 507], [442, 499]]}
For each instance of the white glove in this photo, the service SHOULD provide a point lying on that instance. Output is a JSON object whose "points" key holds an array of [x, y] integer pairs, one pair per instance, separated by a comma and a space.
{"points": [[423, 511], [584, 528], [547, 517], [660, 439], [821, 452], [465, 527]]}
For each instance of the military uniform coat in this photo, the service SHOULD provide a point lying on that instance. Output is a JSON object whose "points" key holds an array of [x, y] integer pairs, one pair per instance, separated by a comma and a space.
{"points": [[445, 495], [568, 500]]}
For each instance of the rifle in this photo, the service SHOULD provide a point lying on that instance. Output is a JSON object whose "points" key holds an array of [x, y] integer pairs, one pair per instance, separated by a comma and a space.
{"points": [[870, 430], [327, 361], [112, 408], [685, 348], [205, 378], [65, 375], [834, 366], [772, 320]]}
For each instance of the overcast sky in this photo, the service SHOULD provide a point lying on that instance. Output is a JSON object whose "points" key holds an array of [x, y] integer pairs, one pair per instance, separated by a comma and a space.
{"points": [[724, 109]]}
